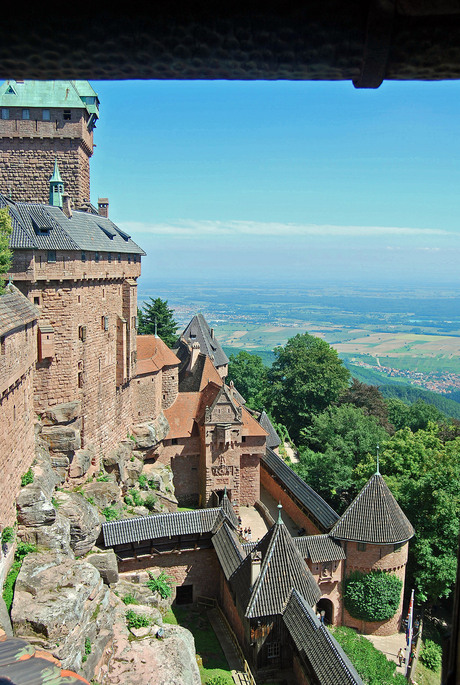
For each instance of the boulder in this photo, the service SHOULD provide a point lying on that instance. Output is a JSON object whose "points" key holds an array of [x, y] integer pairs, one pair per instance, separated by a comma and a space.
{"points": [[84, 520], [54, 537], [61, 413], [80, 463], [34, 506], [60, 603], [62, 439], [149, 434], [135, 585], [104, 493], [5, 622], [44, 474], [133, 470], [106, 564]]}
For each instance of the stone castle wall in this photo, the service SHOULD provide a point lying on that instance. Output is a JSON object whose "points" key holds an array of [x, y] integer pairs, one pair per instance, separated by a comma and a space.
{"points": [[184, 459], [146, 396], [17, 440], [29, 148], [250, 479], [170, 385]]}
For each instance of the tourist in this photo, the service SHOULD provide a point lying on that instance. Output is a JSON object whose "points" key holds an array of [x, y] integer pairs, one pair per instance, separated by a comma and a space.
{"points": [[401, 656]]}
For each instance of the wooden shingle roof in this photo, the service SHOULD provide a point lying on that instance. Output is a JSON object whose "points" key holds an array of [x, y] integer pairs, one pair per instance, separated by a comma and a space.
{"points": [[281, 570], [320, 548], [228, 549], [273, 439], [374, 517], [317, 646]]}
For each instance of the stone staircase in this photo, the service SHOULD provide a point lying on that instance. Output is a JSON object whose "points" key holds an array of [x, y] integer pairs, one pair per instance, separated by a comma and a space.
{"points": [[238, 666]]}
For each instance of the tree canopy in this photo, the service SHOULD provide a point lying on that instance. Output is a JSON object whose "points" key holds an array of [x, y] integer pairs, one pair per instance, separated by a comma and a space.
{"points": [[249, 375], [5, 252], [156, 312], [306, 377]]}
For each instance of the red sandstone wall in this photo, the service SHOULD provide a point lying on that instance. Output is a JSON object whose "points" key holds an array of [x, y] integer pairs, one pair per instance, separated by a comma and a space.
{"points": [[184, 459], [199, 568], [250, 479], [377, 557], [299, 673], [292, 510], [230, 610], [146, 397], [170, 385], [328, 575]]}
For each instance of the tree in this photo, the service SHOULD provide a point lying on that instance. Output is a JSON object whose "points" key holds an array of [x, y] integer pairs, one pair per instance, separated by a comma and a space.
{"points": [[370, 400], [249, 375], [305, 378], [157, 312], [337, 441], [415, 416], [5, 252]]}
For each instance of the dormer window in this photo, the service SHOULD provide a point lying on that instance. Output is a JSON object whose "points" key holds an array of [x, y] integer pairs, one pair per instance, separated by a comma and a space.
{"points": [[26, 114]]}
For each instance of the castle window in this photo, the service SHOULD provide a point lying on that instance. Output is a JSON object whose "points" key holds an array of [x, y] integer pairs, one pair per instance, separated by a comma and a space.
{"points": [[46, 115], [361, 546], [67, 115], [119, 257], [105, 323], [80, 379], [96, 256], [51, 256], [26, 114], [37, 301], [243, 438], [82, 333], [83, 256], [109, 257], [398, 546], [174, 441], [5, 113], [129, 259], [273, 650]]}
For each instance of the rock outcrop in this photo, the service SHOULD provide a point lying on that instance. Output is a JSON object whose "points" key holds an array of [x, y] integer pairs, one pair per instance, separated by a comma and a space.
{"points": [[84, 520]]}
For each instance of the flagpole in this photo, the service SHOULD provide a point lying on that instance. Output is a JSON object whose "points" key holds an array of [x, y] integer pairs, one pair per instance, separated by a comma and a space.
{"points": [[409, 631]]}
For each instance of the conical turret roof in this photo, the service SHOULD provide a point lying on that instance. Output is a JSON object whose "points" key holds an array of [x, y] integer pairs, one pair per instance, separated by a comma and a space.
{"points": [[374, 517]]}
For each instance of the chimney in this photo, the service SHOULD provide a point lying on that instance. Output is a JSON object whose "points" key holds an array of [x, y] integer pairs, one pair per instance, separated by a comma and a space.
{"points": [[67, 205], [194, 352], [103, 207], [256, 563], [212, 333], [231, 387]]}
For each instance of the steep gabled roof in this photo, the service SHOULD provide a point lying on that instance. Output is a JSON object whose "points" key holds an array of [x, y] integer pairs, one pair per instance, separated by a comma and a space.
{"points": [[15, 310], [42, 227], [282, 569], [228, 549], [273, 439], [62, 94], [320, 548], [317, 646], [374, 517], [309, 499], [153, 354], [198, 330]]}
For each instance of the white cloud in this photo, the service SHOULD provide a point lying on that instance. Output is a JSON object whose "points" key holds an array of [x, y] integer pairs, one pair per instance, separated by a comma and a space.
{"points": [[239, 228]]}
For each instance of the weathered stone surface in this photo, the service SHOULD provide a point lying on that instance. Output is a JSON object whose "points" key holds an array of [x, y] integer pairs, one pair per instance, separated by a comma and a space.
{"points": [[80, 463], [58, 604], [106, 564], [169, 661], [104, 494], [149, 434], [133, 470], [44, 474], [54, 537], [34, 507], [5, 622], [84, 520], [135, 584], [61, 413], [62, 439]]}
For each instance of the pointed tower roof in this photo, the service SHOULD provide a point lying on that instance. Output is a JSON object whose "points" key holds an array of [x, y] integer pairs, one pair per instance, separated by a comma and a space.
{"points": [[282, 570], [228, 509], [199, 331], [56, 177], [374, 517]]}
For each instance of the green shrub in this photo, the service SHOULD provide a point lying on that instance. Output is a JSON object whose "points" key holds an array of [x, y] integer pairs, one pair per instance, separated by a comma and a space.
{"points": [[217, 680], [373, 596], [163, 584], [90, 500], [431, 655], [129, 599], [87, 646], [142, 480], [22, 549], [137, 498], [111, 514], [128, 500], [7, 535], [102, 477], [27, 478], [134, 620], [150, 502]]}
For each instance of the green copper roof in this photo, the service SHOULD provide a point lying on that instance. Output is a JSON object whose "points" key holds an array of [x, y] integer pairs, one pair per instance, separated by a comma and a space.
{"points": [[65, 94], [56, 177]]}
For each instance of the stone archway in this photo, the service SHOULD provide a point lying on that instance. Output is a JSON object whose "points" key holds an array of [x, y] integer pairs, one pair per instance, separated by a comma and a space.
{"points": [[325, 605]]}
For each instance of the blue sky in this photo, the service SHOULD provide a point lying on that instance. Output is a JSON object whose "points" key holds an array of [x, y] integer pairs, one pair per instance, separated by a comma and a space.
{"points": [[308, 182]]}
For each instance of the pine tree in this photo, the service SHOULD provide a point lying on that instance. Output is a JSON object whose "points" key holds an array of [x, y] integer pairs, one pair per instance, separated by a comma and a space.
{"points": [[157, 312]]}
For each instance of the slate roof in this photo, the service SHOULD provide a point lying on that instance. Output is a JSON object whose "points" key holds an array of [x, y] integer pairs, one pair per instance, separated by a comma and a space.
{"points": [[15, 310], [273, 439], [159, 526], [65, 94], [320, 548], [42, 227], [282, 569], [198, 330], [228, 509], [228, 549], [374, 517], [317, 646], [310, 499]]}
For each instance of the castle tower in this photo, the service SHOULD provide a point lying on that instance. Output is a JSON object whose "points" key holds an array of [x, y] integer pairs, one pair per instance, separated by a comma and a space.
{"points": [[375, 533], [43, 122]]}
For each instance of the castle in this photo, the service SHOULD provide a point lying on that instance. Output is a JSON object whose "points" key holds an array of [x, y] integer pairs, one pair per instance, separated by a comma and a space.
{"points": [[70, 354]]}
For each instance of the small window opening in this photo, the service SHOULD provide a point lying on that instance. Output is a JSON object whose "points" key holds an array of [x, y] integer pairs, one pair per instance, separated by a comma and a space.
{"points": [[46, 115], [26, 114], [67, 115], [51, 256], [5, 113], [83, 256], [37, 301], [361, 546]]}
